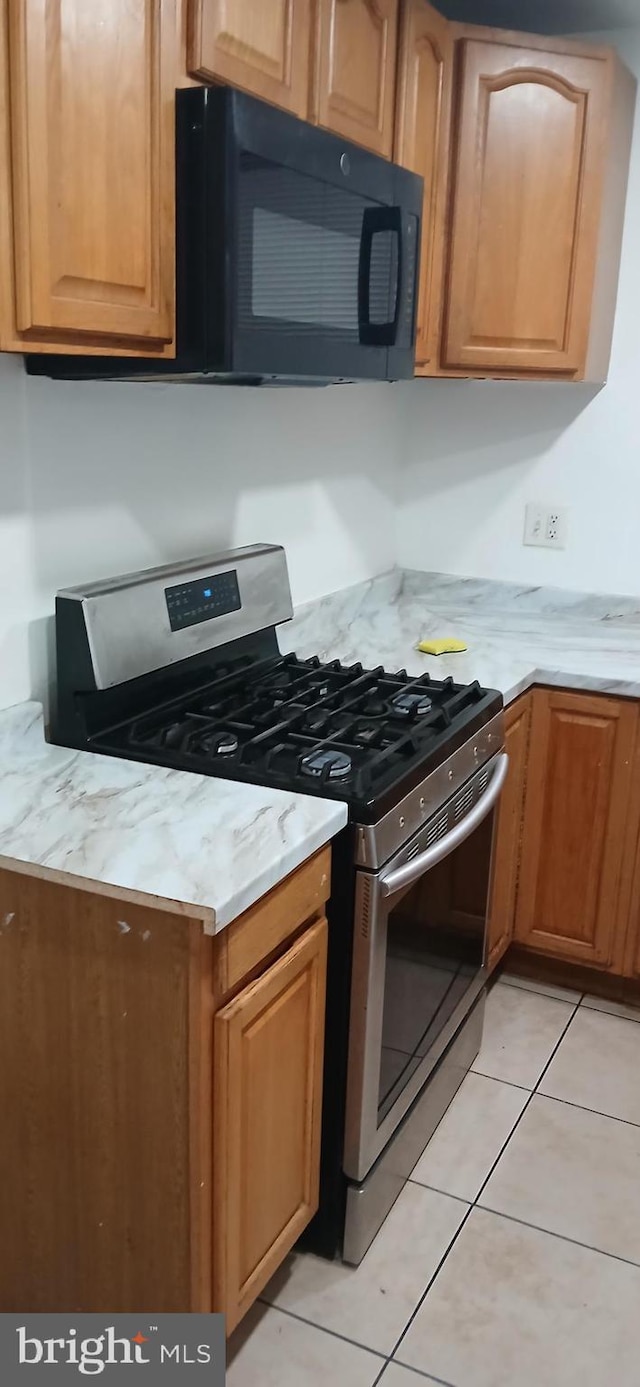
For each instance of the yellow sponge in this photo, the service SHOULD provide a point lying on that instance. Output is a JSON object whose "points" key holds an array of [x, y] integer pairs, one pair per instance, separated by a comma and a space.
{"points": [[448, 646]]}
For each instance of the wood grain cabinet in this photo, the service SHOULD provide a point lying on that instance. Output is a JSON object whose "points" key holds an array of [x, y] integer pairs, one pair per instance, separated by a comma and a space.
{"points": [[540, 167], [87, 167], [268, 1049], [354, 70], [163, 1094], [579, 795], [422, 144], [508, 833], [261, 46]]}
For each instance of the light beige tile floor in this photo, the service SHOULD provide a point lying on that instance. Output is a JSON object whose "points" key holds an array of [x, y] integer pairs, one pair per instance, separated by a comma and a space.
{"points": [[552, 1174], [613, 1008], [521, 1029], [530, 1290], [372, 1304], [545, 989], [270, 1349], [598, 1065], [470, 1136]]}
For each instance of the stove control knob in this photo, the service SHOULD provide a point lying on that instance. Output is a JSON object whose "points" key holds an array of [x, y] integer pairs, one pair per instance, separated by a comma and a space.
{"points": [[451, 775], [422, 801], [401, 820], [475, 752]]}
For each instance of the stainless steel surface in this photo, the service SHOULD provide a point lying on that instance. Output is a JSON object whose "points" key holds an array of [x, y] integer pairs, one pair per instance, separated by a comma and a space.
{"points": [[376, 843], [127, 622], [416, 864], [365, 1135], [369, 1203]]}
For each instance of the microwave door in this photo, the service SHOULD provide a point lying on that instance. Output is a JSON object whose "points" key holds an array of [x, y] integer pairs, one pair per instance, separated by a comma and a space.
{"points": [[299, 273], [304, 202]]}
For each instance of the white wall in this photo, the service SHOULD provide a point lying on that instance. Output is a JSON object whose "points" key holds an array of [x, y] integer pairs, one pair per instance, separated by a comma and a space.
{"points": [[96, 479], [478, 452]]}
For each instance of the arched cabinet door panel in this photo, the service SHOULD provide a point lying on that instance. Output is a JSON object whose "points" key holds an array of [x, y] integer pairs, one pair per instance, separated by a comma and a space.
{"points": [[526, 208]]}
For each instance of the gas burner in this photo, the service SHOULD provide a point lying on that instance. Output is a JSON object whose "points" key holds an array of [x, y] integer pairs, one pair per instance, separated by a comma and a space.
{"points": [[173, 736], [326, 764], [366, 734], [406, 705], [219, 744], [316, 722], [374, 707]]}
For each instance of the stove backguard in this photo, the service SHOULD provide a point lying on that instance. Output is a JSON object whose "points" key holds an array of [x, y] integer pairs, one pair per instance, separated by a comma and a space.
{"points": [[125, 628]]}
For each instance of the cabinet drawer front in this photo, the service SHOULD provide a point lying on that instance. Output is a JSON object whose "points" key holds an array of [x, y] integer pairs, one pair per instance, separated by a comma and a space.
{"points": [[245, 945], [92, 117], [577, 801], [261, 46], [268, 1053], [526, 208]]}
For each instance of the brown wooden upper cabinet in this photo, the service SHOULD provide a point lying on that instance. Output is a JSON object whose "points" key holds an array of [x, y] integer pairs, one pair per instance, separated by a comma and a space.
{"points": [[261, 46], [423, 117], [577, 804], [541, 159], [86, 164], [354, 77]]}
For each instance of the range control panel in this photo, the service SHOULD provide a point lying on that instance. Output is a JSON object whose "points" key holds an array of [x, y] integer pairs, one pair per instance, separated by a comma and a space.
{"points": [[190, 603]]}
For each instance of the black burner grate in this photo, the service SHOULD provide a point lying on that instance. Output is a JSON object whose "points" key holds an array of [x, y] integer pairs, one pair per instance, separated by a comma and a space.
{"points": [[331, 729]]}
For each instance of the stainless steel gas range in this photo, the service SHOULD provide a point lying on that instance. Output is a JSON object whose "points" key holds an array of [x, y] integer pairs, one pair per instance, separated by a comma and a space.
{"points": [[180, 666]]}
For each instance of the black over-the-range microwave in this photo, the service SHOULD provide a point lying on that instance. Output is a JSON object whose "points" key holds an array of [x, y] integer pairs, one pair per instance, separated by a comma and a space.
{"points": [[297, 254]]}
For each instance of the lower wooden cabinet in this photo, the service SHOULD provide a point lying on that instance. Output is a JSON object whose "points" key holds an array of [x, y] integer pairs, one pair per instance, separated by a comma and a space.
{"points": [[268, 1052], [162, 1088], [508, 834], [575, 828]]}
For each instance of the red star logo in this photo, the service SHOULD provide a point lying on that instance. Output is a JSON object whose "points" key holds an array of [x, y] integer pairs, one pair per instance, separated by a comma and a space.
{"points": [[139, 1338]]}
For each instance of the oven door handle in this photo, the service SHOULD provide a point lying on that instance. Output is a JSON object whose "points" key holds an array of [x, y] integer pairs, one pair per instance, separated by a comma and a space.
{"points": [[411, 871]]}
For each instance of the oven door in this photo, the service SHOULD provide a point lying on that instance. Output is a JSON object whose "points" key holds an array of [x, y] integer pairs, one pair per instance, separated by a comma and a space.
{"points": [[418, 962]]}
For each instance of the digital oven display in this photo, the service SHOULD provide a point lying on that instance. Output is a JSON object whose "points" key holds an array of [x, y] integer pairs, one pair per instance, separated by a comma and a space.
{"points": [[190, 603]]}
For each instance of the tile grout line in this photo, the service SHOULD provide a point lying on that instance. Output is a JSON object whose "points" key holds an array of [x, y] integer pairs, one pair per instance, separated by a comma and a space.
{"points": [[604, 1011], [488, 1177], [597, 1112], [522, 1088], [540, 992], [562, 1237], [390, 1358], [424, 1377], [313, 1324]]}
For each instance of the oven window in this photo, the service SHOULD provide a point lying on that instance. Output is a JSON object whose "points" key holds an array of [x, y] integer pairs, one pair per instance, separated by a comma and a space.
{"points": [[435, 947], [299, 254]]}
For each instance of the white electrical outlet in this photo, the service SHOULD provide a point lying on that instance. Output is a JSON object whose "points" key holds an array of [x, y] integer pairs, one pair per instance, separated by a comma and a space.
{"points": [[546, 526]]}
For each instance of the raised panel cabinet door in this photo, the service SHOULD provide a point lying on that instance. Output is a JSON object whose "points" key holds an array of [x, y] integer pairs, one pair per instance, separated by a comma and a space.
{"points": [[354, 78], [422, 144], [530, 158], [577, 801], [92, 129], [261, 46], [268, 1051], [508, 834]]}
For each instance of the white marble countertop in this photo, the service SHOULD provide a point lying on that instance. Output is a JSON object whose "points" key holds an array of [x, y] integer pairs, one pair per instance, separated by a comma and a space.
{"points": [[515, 636], [204, 847], [209, 848]]}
